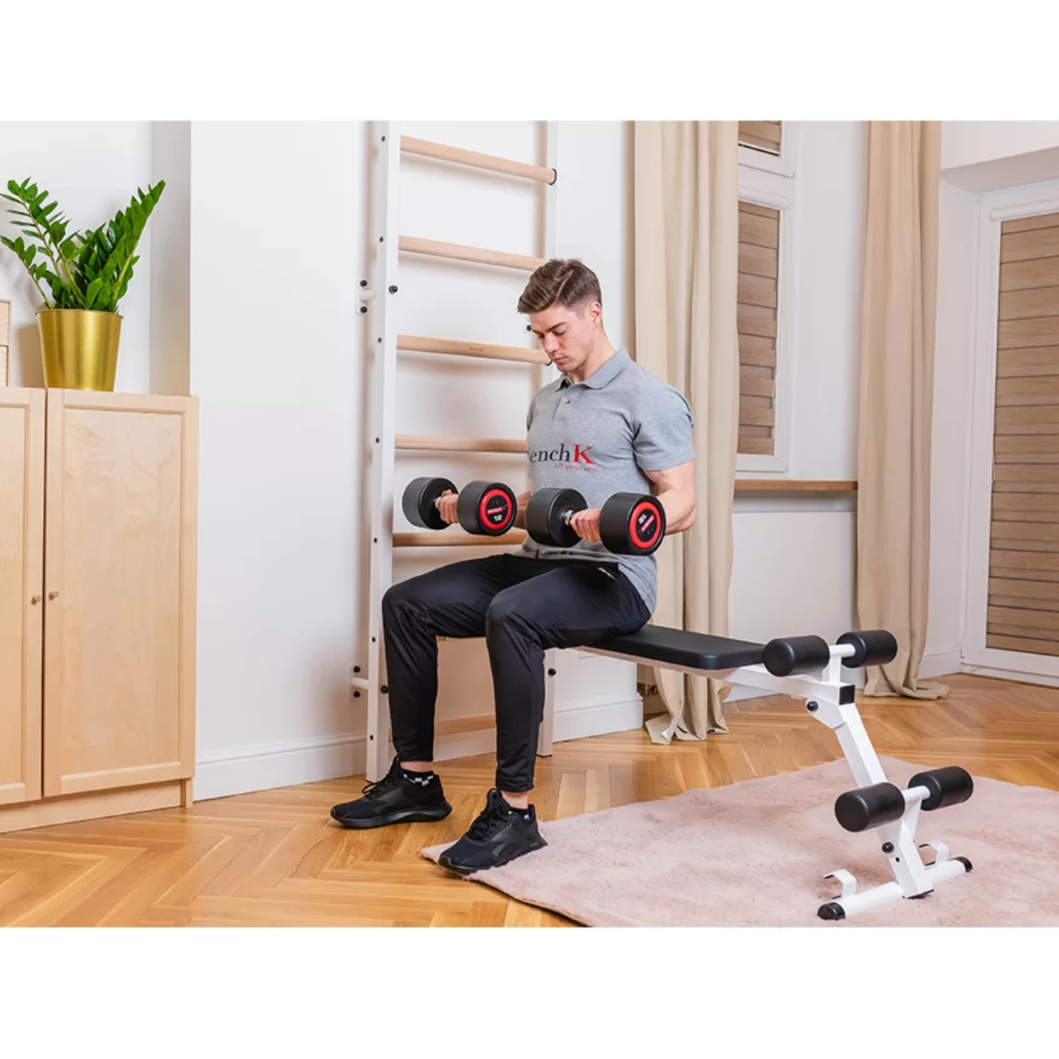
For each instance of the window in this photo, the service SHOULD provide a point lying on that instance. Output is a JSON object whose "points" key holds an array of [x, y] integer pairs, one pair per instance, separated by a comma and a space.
{"points": [[766, 183], [759, 262], [762, 136], [1023, 589]]}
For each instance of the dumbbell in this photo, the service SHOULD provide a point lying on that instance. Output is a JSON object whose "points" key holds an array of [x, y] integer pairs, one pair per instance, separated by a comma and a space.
{"points": [[629, 523], [484, 508]]}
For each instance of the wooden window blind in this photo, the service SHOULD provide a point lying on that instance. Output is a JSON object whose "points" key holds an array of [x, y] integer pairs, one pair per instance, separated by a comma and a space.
{"points": [[762, 135], [759, 260], [1023, 596]]}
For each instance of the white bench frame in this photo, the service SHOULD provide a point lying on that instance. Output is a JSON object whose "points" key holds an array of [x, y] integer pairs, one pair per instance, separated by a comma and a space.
{"points": [[830, 700]]}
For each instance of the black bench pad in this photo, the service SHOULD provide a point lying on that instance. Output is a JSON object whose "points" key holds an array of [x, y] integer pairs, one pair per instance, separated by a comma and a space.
{"points": [[677, 647]]}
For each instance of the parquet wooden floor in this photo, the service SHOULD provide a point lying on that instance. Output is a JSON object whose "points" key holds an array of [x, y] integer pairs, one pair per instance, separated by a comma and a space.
{"points": [[276, 858]]}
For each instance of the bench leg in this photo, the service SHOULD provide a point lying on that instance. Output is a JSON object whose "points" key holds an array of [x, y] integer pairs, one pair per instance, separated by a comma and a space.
{"points": [[833, 704]]}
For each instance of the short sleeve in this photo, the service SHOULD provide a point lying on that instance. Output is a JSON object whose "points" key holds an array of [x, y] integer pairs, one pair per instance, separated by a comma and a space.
{"points": [[529, 414], [662, 437]]}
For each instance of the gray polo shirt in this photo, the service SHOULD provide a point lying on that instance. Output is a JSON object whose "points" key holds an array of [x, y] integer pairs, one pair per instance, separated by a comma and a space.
{"points": [[598, 437]]}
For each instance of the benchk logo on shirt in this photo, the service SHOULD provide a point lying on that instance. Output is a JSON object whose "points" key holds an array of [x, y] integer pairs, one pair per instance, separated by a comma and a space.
{"points": [[577, 459]]}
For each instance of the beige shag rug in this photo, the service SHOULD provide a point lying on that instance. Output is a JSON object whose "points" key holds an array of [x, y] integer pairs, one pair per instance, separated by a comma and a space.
{"points": [[754, 854]]}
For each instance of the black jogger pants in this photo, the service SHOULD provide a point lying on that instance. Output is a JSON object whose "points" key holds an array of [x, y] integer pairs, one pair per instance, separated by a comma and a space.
{"points": [[523, 606]]}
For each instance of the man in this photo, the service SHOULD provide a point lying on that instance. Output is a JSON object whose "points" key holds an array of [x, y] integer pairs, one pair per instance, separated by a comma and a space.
{"points": [[606, 426]]}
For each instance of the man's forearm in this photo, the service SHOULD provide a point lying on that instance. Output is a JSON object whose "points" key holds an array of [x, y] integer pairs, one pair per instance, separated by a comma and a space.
{"points": [[679, 505]]}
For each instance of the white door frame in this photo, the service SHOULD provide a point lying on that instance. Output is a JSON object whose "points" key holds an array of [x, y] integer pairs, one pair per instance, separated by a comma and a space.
{"points": [[993, 208]]}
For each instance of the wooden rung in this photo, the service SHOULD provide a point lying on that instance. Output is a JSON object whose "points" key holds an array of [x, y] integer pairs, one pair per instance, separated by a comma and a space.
{"points": [[428, 149], [765, 485], [431, 443], [416, 344], [453, 538], [453, 251]]}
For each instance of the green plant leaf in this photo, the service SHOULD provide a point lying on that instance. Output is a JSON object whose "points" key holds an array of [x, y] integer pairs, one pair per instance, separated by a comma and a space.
{"points": [[92, 293], [89, 269]]}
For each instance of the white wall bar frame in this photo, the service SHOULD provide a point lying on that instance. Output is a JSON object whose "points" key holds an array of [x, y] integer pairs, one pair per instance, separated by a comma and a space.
{"points": [[383, 339], [378, 297]]}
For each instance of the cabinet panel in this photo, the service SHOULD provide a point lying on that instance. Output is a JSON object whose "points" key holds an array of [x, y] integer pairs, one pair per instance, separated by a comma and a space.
{"points": [[21, 589], [119, 591]]}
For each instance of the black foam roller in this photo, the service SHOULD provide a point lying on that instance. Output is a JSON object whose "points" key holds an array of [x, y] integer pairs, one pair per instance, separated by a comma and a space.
{"points": [[869, 807], [948, 786], [873, 647], [796, 654]]}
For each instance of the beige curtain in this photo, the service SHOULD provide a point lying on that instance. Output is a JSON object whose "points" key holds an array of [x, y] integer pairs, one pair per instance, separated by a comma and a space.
{"points": [[897, 387], [687, 264]]}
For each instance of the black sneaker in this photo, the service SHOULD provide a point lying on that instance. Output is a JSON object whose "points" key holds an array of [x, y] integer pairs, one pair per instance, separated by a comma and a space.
{"points": [[500, 834], [395, 799]]}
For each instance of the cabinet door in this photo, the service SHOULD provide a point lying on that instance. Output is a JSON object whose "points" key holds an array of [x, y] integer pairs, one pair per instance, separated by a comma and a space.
{"points": [[21, 589], [120, 556]]}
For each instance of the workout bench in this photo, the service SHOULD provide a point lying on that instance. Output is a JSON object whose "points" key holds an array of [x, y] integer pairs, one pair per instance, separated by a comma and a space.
{"points": [[807, 667]]}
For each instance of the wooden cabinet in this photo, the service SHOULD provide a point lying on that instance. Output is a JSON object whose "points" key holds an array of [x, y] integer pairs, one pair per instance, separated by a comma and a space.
{"points": [[21, 592], [98, 533]]}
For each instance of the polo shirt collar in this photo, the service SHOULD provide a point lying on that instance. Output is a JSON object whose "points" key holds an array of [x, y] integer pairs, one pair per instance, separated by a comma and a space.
{"points": [[608, 370]]}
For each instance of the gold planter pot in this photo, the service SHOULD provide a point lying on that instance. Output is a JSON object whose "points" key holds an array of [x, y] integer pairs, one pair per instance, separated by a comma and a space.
{"points": [[79, 348]]}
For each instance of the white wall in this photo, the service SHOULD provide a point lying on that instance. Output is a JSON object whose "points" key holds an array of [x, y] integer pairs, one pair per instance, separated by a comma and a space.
{"points": [[986, 155], [966, 143], [171, 260], [794, 556], [93, 169], [277, 242], [953, 352]]}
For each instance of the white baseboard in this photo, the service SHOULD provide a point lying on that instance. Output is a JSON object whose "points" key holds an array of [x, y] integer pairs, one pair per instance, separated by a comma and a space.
{"points": [[465, 744], [600, 718], [940, 664], [1040, 679], [270, 765]]}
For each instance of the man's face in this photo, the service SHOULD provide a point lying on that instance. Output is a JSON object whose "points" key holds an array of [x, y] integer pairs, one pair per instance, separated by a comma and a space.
{"points": [[567, 335]]}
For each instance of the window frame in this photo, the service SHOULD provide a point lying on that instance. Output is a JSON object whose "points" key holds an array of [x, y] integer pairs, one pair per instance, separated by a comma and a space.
{"points": [[992, 209], [774, 186], [767, 162]]}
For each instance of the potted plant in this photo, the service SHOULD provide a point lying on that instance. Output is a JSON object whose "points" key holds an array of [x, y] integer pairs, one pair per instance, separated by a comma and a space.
{"points": [[81, 278]]}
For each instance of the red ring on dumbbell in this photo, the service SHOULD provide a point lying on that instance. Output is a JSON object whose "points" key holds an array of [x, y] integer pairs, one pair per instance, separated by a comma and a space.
{"points": [[487, 517], [634, 536]]}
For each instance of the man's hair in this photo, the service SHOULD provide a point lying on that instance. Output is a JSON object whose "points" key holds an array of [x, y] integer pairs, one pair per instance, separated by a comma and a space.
{"points": [[560, 282]]}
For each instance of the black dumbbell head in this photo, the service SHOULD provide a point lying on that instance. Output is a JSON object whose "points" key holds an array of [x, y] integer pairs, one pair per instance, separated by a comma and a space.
{"points": [[632, 524], [486, 508], [419, 502], [546, 516]]}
